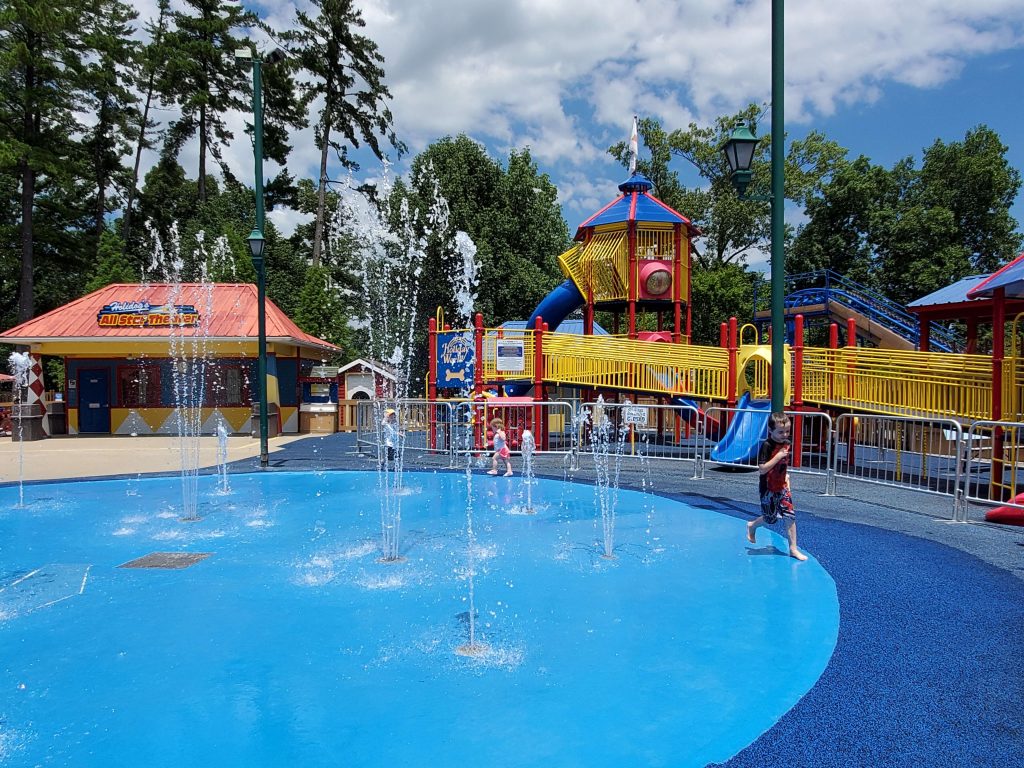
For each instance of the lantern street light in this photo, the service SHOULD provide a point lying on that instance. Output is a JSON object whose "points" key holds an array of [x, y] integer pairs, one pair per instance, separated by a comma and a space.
{"points": [[739, 153]]}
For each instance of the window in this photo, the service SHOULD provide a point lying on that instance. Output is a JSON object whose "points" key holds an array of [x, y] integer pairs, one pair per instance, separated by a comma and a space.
{"points": [[226, 386], [138, 386]]}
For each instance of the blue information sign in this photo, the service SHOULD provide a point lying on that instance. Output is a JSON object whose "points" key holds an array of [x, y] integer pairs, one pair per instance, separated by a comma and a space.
{"points": [[455, 359]]}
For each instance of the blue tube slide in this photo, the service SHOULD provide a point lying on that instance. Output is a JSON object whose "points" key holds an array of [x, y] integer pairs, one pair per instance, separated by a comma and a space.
{"points": [[553, 308], [748, 430], [557, 305]]}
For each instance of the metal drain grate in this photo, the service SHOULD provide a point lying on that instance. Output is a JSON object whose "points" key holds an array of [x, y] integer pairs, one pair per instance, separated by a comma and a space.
{"points": [[174, 560]]}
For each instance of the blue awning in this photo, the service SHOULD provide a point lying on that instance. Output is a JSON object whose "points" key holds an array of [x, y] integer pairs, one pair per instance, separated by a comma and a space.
{"points": [[1010, 278]]}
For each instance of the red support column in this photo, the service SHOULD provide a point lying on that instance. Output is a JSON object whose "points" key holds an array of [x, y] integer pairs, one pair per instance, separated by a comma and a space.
{"points": [[998, 352], [730, 394], [432, 376], [631, 286], [798, 386], [538, 382], [833, 344], [677, 284], [689, 292], [588, 313], [851, 342], [798, 360], [478, 379], [924, 334]]}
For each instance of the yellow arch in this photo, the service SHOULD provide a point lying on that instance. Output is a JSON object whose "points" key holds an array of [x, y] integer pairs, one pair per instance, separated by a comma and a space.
{"points": [[748, 353]]}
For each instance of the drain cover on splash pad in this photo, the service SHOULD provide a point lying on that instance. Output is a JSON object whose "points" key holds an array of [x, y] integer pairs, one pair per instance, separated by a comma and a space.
{"points": [[173, 560]]}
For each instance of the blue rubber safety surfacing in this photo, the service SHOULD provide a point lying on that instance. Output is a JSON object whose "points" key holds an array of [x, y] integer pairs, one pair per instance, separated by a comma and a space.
{"points": [[292, 644]]}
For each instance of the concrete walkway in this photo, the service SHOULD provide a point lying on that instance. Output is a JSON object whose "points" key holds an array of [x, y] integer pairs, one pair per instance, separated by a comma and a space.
{"points": [[112, 455]]}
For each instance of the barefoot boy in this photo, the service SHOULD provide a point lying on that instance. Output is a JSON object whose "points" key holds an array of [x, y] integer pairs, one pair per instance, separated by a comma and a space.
{"points": [[776, 500]]}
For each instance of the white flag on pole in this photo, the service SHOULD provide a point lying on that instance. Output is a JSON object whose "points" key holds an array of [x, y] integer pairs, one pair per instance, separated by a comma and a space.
{"points": [[634, 148]]}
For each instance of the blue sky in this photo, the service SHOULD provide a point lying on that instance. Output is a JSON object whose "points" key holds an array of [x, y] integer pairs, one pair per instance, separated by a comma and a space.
{"points": [[565, 77]]}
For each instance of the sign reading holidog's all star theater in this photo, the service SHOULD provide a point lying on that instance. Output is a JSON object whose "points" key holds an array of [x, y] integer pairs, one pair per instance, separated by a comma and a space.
{"points": [[142, 314]]}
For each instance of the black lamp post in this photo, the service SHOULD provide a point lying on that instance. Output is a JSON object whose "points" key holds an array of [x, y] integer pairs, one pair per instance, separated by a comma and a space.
{"points": [[739, 153], [256, 242]]}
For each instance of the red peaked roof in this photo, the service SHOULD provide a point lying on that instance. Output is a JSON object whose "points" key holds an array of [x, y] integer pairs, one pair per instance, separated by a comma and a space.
{"points": [[226, 310]]}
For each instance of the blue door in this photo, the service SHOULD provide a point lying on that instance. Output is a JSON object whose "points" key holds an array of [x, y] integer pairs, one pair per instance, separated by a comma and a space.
{"points": [[94, 400]]}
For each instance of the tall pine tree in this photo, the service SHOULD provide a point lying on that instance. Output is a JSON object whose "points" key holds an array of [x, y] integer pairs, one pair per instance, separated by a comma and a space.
{"points": [[39, 61], [203, 78], [345, 68]]}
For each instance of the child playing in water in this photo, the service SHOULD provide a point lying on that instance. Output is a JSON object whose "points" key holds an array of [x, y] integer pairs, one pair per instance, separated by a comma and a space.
{"points": [[776, 499], [500, 448], [390, 434]]}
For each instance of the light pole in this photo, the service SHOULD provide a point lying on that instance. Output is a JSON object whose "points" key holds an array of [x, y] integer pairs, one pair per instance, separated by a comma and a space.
{"points": [[739, 152], [257, 243]]}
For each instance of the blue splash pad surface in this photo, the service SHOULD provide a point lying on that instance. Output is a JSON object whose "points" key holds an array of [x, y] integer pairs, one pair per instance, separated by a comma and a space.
{"points": [[291, 644]]}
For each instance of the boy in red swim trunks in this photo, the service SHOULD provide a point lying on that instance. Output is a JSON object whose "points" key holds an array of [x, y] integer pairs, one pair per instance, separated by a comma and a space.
{"points": [[776, 499]]}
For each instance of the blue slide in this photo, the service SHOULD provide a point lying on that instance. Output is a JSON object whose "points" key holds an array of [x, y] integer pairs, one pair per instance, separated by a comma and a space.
{"points": [[557, 305], [553, 308], [712, 424], [746, 433]]}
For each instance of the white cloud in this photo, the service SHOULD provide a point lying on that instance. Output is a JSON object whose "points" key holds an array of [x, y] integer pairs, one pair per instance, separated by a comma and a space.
{"points": [[565, 77]]}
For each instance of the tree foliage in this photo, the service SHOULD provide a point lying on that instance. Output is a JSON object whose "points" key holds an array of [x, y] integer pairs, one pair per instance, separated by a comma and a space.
{"points": [[909, 231], [345, 70], [203, 79], [512, 215]]}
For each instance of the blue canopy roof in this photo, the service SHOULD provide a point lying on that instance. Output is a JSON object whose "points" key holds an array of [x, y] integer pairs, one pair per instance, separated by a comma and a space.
{"points": [[635, 204], [951, 294], [1010, 277], [566, 326]]}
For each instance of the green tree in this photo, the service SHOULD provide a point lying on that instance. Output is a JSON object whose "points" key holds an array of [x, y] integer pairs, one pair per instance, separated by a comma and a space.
{"points": [[732, 228], [836, 235], [974, 182], [107, 90], [40, 53], [511, 214], [320, 309], [722, 291], [909, 231], [151, 60], [111, 265], [203, 79], [344, 67]]}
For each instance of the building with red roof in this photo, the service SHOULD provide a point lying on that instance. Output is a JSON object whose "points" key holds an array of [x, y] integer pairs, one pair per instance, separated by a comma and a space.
{"points": [[127, 348]]}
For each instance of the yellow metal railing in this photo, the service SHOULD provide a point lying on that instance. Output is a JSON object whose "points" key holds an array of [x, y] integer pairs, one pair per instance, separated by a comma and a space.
{"points": [[1013, 389], [900, 382], [602, 263], [492, 339], [656, 243], [665, 369]]}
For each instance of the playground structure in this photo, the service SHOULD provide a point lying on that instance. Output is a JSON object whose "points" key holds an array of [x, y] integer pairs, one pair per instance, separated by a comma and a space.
{"points": [[633, 257]]}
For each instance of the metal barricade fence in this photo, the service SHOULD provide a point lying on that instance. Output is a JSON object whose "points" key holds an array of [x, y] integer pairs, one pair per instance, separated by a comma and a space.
{"points": [[918, 454], [993, 454], [733, 437], [551, 422], [421, 425], [645, 430]]}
